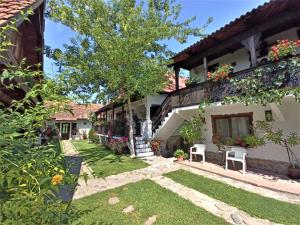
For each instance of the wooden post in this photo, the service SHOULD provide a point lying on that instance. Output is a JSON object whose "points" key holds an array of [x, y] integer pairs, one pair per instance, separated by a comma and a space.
{"points": [[205, 67], [106, 115], [113, 111], [177, 70], [251, 43]]}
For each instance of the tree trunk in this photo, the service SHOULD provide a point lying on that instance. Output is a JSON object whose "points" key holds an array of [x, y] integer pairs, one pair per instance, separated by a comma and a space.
{"points": [[131, 141]]}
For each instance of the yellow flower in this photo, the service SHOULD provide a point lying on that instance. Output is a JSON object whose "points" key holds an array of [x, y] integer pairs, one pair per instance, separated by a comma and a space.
{"points": [[57, 179]]}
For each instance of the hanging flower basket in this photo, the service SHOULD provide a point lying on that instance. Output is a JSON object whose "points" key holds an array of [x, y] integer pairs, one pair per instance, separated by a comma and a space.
{"points": [[283, 48], [221, 73]]}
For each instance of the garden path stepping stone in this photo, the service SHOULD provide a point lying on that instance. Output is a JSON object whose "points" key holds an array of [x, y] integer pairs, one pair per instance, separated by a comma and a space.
{"points": [[151, 220], [113, 200], [128, 209]]}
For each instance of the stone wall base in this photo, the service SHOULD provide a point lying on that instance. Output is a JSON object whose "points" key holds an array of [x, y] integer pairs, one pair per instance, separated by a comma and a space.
{"points": [[253, 164]]}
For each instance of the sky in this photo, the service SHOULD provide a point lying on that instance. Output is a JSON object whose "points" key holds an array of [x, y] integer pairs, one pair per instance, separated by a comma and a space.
{"points": [[222, 11]]}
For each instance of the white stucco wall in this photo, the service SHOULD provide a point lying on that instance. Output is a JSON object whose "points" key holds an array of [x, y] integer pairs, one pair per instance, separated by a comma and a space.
{"points": [[139, 106], [290, 111], [82, 125]]}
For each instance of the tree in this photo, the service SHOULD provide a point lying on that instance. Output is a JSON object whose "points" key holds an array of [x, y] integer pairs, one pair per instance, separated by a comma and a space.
{"points": [[119, 50], [30, 174], [192, 130]]}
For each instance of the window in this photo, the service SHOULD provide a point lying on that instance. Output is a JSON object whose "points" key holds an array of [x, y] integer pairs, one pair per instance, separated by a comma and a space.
{"points": [[232, 126]]}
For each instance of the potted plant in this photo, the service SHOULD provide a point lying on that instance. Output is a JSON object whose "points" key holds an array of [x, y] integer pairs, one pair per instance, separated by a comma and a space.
{"points": [[180, 155], [155, 144], [287, 141], [221, 73], [283, 48]]}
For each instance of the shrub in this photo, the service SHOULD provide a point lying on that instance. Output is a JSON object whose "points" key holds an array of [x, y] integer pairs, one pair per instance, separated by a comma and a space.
{"points": [[221, 73], [179, 153], [93, 138]]}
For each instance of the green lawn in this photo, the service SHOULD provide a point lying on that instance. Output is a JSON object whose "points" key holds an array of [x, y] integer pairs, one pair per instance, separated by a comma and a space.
{"points": [[104, 162], [148, 199], [255, 205]]}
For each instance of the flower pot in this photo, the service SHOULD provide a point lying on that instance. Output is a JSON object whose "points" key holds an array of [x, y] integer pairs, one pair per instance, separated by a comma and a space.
{"points": [[179, 159], [294, 173]]}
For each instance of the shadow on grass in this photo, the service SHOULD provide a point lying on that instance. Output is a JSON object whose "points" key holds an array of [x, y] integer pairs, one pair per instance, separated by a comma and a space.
{"points": [[94, 154], [73, 165]]}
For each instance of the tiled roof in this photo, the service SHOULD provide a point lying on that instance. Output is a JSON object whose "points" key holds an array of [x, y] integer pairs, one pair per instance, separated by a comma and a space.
{"points": [[78, 112], [172, 86], [10, 8]]}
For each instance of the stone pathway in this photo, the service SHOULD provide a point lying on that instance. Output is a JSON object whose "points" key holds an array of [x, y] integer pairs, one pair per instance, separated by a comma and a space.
{"points": [[158, 166], [73, 160], [216, 207], [267, 181], [281, 196]]}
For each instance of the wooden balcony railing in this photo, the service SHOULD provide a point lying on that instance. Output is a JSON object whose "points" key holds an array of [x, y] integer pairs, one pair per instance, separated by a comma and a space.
{"points": [[216, 91]]}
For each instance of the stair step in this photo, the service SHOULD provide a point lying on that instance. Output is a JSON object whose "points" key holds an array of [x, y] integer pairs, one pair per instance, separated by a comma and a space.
{"points": [[140, 142], [144, 154], [140, 150], [139, 138], [142, 145]]}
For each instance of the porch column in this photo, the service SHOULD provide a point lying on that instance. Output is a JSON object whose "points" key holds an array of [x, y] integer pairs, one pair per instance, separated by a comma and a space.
{"points": [[251, 44], [70, 131], [205, 68], [60, 127], [177, 70], [113, 112], [148, 122]]}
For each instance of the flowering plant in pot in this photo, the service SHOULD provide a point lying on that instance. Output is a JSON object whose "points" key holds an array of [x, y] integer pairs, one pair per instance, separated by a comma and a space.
{"points": [[221, 73], [283, 48], [180, 155], [155, 144], [287, 141]]}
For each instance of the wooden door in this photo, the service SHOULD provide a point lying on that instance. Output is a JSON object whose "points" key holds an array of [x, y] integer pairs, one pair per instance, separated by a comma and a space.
{"points": [[65, 131]]}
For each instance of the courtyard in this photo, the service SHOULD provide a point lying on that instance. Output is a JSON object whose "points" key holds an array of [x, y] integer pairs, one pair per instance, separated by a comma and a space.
{"points": [[130, 196]]}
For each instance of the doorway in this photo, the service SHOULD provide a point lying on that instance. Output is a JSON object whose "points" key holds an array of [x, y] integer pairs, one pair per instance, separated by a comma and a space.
{"points": [[65, 131]]}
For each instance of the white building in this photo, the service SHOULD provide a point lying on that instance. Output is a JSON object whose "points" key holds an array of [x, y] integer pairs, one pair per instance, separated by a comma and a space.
{"points": [[74, 124], [244, 44]]}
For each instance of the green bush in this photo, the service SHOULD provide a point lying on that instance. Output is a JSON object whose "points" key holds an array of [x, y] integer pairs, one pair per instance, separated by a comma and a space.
{"points": [[93, 138], [180, 153]]}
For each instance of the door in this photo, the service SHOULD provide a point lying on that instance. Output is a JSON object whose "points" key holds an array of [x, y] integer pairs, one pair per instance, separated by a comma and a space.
{"points": [[65, 131]]}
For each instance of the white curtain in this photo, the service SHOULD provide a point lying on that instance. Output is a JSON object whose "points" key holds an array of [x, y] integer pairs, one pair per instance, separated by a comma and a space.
{"points": [[240, 126], [223, 128]]}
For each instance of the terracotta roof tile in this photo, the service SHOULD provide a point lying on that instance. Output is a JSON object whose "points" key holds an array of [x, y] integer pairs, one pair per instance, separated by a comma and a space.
{"points": [[9, 8], [172, 86], [78, 112]]}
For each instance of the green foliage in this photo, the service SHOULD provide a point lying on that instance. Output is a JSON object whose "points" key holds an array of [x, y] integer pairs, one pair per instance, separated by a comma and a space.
{"points": [[277, 136], [192, 130], [93, 138], [179, 153], [119, 52], [253, 141], [30, 175], [265, 85]]}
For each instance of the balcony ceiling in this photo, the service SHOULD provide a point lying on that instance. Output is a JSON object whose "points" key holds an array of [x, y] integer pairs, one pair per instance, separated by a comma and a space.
{"points": [[270, 18]]}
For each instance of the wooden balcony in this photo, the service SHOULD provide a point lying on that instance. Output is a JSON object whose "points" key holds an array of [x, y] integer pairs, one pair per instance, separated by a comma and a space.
{"points": [[217, 91]]}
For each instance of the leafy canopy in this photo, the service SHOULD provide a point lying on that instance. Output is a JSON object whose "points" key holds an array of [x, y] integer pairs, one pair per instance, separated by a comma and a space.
{"points": [[119, 50]]}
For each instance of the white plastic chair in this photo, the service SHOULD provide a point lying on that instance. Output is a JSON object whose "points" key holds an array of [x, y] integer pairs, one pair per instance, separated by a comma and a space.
{"points": [[239, 156], [197, 149]]}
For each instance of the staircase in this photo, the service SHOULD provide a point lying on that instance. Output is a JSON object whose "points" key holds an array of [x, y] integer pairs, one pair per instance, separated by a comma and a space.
{"points": [[142, 147]]}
